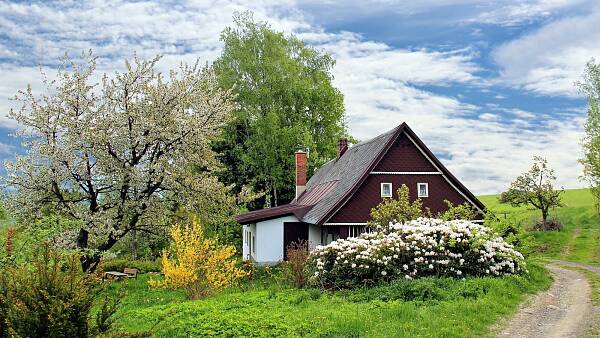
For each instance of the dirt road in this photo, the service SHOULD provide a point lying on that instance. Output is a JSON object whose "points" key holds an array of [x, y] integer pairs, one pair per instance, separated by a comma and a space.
{"points": [[565, 310]]}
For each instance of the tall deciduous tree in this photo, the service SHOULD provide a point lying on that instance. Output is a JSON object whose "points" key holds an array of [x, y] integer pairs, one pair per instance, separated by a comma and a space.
{"points": [[286, 101], [590, 86], [120, 154], [535, 187]]}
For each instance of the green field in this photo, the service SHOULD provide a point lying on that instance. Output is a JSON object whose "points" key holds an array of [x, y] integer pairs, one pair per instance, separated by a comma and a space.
{"points": [[425, 308], [578, 241]]}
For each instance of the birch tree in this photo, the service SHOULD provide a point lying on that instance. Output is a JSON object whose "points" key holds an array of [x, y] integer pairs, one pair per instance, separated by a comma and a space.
{"points": [[120, 152]]}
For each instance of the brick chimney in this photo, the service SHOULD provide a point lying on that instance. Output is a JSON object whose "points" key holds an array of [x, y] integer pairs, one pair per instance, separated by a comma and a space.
{"points": [[342, 147], [301, 168]]}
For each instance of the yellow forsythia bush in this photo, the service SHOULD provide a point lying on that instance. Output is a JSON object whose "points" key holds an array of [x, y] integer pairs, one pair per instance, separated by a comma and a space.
{"points": [[199, 265]]}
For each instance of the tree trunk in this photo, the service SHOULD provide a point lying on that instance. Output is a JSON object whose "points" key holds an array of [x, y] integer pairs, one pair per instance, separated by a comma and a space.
{"points": [[275, 195], [133, 244], [82, 239], [545, 219]]}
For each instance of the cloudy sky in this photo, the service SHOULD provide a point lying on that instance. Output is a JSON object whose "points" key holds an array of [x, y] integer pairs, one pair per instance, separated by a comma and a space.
{"points": [[486, 84]]}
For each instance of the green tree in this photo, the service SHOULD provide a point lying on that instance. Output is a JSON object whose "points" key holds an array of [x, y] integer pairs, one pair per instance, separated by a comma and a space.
{"points": [[286, 101], [400, 210], [534, 187], [463, 211], [590, 86]]}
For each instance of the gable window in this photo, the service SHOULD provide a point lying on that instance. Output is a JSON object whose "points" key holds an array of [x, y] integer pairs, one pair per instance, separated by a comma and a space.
{"points": [[386, 190], [423, 189]]}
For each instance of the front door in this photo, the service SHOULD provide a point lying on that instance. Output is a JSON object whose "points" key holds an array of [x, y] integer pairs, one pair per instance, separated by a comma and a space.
{"points": [[293, 232]]}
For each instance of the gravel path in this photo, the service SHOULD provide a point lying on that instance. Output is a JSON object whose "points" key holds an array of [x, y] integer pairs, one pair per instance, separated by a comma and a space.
{"points": [[592, 268], [565, 310]]}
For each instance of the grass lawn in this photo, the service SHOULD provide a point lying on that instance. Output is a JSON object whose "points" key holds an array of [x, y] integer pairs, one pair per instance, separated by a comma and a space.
{"points": [[579, 240], [425, 308]]}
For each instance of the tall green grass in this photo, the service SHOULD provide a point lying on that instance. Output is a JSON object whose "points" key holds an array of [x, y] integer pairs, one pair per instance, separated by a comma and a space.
{"points": [[427, 307]]}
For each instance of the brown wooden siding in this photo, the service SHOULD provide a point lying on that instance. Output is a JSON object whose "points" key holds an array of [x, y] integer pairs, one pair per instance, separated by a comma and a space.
{"points": [[404, 156], [358, 208]]}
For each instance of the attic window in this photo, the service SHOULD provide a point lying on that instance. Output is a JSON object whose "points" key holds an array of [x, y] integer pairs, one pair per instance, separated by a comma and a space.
{"points": [[386, 190], [423, 189]]}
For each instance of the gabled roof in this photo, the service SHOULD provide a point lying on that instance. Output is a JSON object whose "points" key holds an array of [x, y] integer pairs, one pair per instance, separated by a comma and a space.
{"points": [[337, 180]]}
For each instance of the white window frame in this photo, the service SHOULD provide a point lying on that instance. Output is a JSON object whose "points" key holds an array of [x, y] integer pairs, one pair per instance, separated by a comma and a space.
{"points": [[419, 190], [386, 184]]}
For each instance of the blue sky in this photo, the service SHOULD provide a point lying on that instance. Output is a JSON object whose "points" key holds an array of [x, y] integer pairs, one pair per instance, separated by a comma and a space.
{"points": [[486, 84]]}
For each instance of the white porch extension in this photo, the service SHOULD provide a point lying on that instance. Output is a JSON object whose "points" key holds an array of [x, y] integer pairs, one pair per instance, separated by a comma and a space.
{"points": [[263, 242]]}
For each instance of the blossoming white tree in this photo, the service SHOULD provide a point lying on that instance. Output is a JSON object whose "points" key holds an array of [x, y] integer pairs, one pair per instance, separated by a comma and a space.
{"points": [[117, 154]]}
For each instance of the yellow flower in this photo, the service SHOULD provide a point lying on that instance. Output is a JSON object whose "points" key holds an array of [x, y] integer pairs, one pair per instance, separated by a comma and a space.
{"points": [[197, 264]]}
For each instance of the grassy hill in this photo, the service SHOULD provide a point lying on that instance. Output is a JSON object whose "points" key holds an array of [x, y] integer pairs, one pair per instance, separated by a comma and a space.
{"points": [[578, 241]]}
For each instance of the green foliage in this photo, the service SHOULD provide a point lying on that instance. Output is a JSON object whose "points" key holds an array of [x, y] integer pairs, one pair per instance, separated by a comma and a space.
{"points": [[105, 317], [590, 86], [512, 231], [52, 297], [534, 187], [286, 101], [3, 214], [143, 266], [396, 210], [579, 240], [419, 308], [434, 289], [463, 211]]}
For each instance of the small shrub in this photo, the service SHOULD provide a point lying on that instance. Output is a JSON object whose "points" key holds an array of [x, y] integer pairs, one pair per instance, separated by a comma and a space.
{"points": [[463, 211], [552, 224], [314, 294], [512, 231], [293, 268], [51, 297], [420, 248], [396, 211], [105, 317], [197, 264]]}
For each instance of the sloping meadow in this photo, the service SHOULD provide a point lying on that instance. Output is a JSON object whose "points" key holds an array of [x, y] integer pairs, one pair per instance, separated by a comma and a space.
{"points": [[425, 247]]}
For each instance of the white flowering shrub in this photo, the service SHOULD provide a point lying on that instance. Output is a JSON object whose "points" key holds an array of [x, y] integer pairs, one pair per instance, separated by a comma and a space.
{"points": [[418, 248]]}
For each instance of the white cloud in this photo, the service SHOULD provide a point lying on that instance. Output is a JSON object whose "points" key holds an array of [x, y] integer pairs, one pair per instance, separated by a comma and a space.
{"points": [[549, 60], [381, 84], [511, 13]]}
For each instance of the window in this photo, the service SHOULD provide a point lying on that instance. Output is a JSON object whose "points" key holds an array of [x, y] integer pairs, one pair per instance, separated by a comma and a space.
{"points": [[386, 190], [253, 244], [423, 189]]}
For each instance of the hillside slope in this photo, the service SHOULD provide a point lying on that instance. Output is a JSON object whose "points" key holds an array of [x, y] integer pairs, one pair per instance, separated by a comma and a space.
{"points": [[578, 241]]}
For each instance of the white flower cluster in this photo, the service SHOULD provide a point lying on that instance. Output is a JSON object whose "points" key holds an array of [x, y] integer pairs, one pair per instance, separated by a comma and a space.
{"points": [[419, 248]]}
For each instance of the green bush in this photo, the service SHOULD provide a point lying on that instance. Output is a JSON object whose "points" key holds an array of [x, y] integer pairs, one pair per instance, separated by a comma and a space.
{"points": [[143, 266], [512, 231], [51, 297]]}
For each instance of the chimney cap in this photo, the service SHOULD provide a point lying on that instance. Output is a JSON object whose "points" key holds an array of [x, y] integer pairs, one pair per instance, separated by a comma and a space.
{"points": [[300, 151]]}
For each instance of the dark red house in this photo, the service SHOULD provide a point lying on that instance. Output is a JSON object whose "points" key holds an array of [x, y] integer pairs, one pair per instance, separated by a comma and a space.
{"points": [[337, 200]]}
